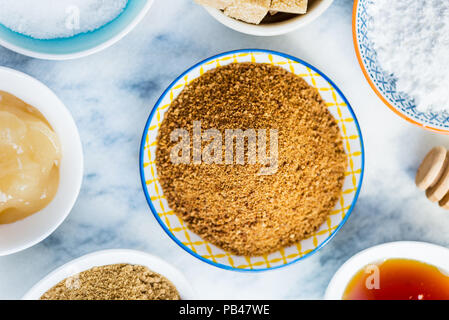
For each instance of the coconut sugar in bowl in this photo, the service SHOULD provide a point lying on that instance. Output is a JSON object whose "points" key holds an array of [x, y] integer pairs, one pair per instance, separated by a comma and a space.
{"points": [[196, 231], [128, 275]]}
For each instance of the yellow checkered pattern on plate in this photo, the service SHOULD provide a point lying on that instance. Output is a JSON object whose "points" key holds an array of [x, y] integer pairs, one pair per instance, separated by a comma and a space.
{"points": [[215, 255]]}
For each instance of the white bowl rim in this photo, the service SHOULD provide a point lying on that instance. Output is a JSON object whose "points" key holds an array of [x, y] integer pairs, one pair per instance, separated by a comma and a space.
{"points": [[77, 152], [432, 254], [83, 53], [108, 257], [272, 29]]}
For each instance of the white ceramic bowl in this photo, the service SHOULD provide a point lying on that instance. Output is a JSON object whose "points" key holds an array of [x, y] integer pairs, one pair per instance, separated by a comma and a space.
{"points": [[108, 257], [316, 8], [419, 251], [26, 233]]}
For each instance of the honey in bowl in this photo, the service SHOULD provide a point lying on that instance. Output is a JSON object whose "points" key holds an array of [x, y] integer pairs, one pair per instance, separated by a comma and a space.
{"points": [[398, 279], [30, 154]]}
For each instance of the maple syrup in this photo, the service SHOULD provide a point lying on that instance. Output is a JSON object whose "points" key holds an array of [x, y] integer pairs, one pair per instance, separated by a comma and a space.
{"points": [[398, 279]]}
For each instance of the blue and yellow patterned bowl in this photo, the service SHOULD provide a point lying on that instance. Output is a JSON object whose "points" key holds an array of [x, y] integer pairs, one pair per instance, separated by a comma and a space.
{"points": [[82, 44], [383, 84], [192, 243]]}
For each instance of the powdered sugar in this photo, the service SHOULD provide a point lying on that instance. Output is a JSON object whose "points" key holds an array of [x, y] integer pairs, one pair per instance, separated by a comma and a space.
{"points": [[411, 39], [48, 19]]}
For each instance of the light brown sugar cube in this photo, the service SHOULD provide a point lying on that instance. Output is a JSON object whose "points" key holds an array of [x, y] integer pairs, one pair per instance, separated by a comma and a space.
{"points": [[217, 4], [290, 6], [251, 11]]}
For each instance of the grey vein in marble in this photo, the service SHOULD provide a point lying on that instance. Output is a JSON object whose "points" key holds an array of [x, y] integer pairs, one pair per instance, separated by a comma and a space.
{"points": [[111, 94]]}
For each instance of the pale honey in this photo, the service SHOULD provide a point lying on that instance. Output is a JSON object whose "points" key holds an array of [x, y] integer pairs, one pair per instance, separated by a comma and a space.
{"points": [[30, 154]]}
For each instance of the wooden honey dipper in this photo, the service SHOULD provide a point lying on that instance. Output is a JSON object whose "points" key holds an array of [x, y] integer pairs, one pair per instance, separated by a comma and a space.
{"points": [[433, 176]]}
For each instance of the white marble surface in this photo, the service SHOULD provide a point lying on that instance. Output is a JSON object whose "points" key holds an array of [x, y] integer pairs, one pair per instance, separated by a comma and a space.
{"points": [[111, 94]]}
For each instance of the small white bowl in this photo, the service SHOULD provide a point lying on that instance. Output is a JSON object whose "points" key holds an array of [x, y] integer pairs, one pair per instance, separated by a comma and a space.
{"points": [[26, 233], [108, 257], [418, 251], [315, 9]]}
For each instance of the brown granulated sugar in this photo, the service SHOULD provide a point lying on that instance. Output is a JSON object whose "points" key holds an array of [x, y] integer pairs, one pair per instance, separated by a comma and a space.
{"points": [[114, 282], [231, 206]]}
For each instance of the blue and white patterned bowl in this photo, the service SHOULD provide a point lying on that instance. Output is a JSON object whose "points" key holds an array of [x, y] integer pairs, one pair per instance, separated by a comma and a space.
{"points": [[383, 84], [82, 44], [338, 106]]}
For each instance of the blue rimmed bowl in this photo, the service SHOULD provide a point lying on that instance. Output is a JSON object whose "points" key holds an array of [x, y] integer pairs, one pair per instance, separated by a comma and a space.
{"points": [[382, 83], [338, 106], [79, 45]]}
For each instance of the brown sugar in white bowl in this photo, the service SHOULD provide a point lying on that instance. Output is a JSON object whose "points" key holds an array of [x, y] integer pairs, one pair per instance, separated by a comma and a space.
{"points": [[273, 25]]}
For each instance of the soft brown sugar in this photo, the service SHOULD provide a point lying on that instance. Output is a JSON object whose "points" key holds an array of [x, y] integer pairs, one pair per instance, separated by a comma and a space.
{"points": [[232, 206], [114, 282]]}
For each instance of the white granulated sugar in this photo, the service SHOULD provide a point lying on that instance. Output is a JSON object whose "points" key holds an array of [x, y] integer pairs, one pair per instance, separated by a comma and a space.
{"points": [[412, 42], [50, 19]]}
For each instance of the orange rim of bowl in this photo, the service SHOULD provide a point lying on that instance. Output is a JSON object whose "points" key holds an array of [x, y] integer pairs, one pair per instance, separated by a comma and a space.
{"points": [[372, 84]]}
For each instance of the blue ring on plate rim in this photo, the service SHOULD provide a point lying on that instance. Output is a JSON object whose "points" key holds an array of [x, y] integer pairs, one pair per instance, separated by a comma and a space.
{"points": [[145, 133]]}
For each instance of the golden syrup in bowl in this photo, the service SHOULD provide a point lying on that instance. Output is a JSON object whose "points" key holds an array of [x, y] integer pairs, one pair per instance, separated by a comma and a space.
{"points": [[398, 279]]}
